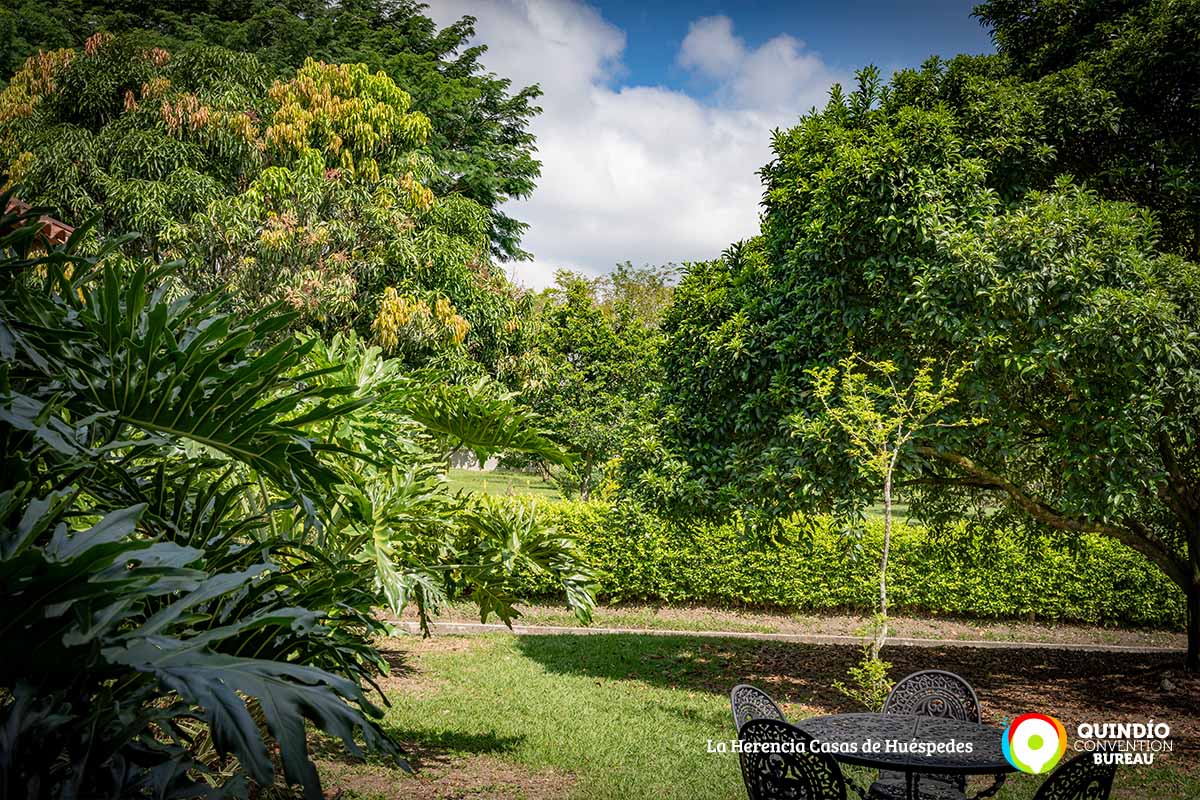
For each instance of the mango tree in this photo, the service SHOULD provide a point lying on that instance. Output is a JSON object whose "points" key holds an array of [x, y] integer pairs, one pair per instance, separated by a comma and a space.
{"points": [[896, 228], [312, 189], [480, 143]]}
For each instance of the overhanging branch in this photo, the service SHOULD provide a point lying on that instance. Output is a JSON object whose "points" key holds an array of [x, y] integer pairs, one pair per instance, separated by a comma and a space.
{"points": [[1135, 535]]}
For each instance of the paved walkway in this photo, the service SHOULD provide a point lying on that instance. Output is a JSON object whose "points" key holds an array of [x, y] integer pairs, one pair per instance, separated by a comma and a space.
{"points": [[805, 638]]}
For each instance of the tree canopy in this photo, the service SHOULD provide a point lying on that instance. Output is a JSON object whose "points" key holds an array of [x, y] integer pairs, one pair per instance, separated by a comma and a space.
{"points": [[479, 143], [1107, 92], [907, 231], [592, 370], [311, 190]]}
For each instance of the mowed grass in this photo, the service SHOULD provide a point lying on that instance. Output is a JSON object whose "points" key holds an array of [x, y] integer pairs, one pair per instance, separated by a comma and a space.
{"points": [[611, 717], [635, 616], [502, 482], [619, 737], [512, 482]]}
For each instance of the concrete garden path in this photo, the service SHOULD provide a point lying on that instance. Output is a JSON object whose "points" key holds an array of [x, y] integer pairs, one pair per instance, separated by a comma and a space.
{"points": [[457, 628], [833, 629]]}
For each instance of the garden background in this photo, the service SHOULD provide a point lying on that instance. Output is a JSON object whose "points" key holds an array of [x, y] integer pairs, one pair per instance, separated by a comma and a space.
{"points": [[256, 308]]}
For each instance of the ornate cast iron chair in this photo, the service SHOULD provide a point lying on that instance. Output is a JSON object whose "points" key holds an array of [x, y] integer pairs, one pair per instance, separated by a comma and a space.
{"points": [[793, 775], [929, 693], [750, 703], [1081, 778], [934, 693]]}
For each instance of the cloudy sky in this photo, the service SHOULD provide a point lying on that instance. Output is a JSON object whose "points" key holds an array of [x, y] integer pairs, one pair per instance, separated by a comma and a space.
{"points": [[657, 115]]}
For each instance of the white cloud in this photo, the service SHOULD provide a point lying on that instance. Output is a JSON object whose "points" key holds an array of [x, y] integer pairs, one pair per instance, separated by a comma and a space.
{"points": [[781, 75], [778, 77], [642, 173], [711, 47]]}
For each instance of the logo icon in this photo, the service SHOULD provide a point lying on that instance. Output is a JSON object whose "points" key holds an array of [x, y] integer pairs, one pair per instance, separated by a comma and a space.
{"points": [[1034, 743]]}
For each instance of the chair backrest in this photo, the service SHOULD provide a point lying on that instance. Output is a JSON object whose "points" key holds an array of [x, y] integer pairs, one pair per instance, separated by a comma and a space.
{"points": [[934, 693], [750, 703], [782, 766], [1081, 778]]}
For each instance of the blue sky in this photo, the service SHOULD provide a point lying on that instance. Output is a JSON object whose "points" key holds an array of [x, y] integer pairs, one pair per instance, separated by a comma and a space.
{"points": [[657, 116], [847, 34]]}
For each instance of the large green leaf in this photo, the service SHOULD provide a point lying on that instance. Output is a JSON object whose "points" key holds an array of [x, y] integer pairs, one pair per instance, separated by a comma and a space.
{"points": [[287, 694], [147, 368], [156, 453], [484, 419]]}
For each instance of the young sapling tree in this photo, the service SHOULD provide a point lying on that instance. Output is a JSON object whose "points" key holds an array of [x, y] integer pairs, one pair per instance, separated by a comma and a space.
{"points": [[881, 418]]}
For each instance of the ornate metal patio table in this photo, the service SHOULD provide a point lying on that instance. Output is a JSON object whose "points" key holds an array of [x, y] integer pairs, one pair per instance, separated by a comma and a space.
{"points": [[985, 756]]}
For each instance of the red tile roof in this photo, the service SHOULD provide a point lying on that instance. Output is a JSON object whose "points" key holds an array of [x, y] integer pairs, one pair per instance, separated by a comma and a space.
{"points": [[53, 232]]}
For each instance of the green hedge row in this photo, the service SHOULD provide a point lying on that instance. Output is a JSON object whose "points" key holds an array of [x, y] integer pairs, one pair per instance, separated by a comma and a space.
{"points": [[641, 557]]}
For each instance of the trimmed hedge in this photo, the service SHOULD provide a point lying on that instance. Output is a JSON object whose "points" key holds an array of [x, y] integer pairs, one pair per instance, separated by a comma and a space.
{"points": [[639, 556]]}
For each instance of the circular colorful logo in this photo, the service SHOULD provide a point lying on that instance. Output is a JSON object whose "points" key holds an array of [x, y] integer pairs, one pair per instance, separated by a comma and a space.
{"points": [[1034, 743]]}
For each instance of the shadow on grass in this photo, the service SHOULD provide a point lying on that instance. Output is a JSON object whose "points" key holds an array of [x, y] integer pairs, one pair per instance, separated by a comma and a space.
{"points": [[426, 750], [1074, 686], [422, 749], [398, 662]]}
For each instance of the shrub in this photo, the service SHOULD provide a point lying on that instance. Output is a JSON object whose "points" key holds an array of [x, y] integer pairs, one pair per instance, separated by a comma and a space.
{"points": [[810, 566], [161, 636]]}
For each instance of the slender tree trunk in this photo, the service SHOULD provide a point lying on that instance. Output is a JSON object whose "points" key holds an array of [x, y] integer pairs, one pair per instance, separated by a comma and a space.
{"points": [[585, 480], [882, 632], [1192, 664]]}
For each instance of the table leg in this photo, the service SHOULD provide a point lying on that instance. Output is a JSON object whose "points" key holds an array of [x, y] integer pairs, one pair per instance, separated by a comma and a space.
{"points": [[912, 785]]}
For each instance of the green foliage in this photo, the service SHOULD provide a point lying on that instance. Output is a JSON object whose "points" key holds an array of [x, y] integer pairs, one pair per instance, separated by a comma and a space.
{"points": [[200, 515], [129, 133], [893, 229], [155, 627], [1117, 85], [310, 191], [118, 640], [593, 371], [480, 144], [874, 417], [638, 295], [403, 528], [483, 419], [879, 417], [869, 679], [811, 566]]}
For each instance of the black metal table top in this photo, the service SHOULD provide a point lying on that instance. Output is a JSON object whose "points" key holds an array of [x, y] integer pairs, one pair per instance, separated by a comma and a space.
{"points": [[863, 739]]}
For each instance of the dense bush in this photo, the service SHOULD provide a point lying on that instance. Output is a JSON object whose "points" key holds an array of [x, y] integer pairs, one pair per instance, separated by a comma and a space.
{"points": [[160, 615], [593, 369], [198, 517], [638, 556], [312, 190]]}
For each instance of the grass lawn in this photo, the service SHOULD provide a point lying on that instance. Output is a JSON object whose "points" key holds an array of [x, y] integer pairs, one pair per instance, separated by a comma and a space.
{"points": [[502, 482], [626, 717], [506, 482]]}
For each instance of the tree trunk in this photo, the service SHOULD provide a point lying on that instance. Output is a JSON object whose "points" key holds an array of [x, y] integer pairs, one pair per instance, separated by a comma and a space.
{"points": [[1193, 628], [887, 543], [585, 479], [882, 632], [1184, 572], [1192, 592]]}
